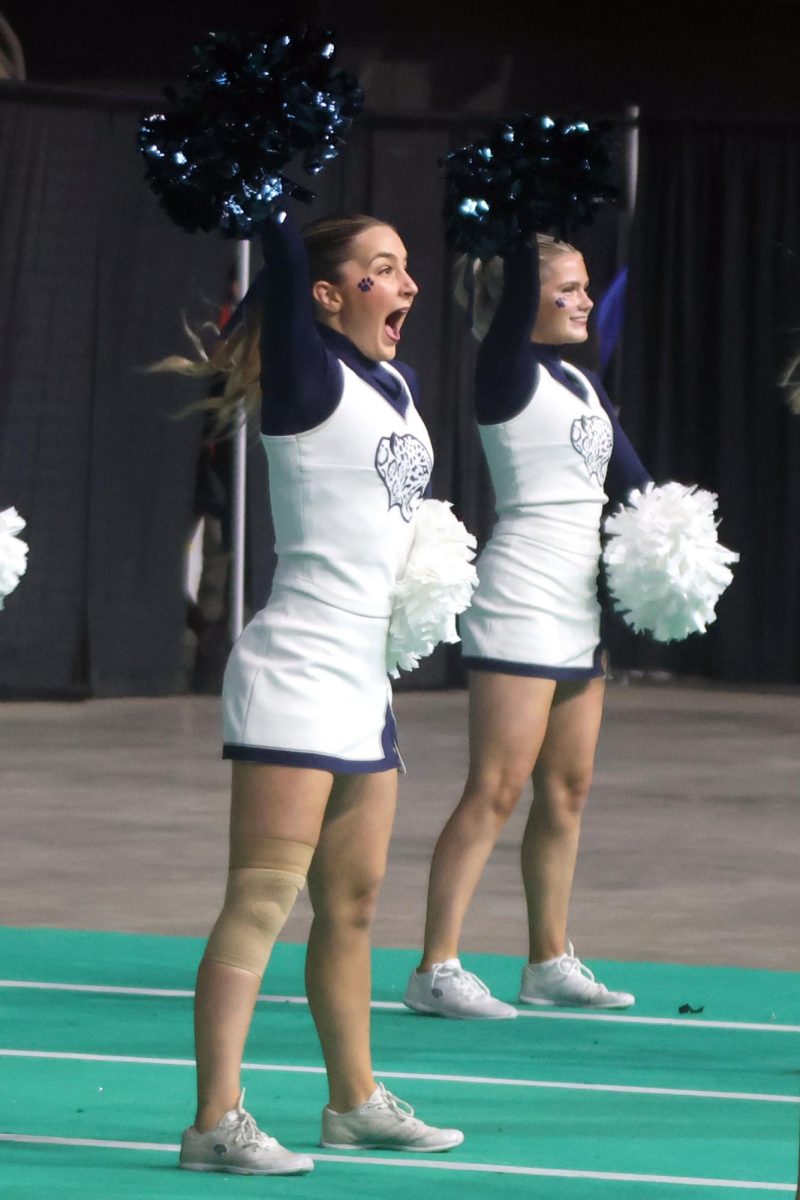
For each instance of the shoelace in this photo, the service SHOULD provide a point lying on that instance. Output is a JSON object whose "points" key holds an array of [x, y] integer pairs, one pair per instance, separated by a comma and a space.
{"points": [[247, 1133], [571, 965], [463, 980], [400, 1108]]}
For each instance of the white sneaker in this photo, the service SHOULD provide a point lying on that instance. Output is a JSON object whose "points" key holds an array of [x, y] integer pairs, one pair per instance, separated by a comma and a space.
{"points": [[238, 1146], [447, 990], [566, 980], [384, 1123]]}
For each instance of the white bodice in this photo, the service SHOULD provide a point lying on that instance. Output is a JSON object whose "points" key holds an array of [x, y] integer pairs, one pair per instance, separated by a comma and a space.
{"points": [[548, 465], [344, 496]]}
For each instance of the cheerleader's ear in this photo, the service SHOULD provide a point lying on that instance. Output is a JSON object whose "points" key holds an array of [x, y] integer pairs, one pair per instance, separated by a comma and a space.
{"points": [[327, 296]]}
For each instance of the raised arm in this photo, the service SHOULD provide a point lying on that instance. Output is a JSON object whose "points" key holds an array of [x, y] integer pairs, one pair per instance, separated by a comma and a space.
{"points": [[301, 380], [505, 373]]}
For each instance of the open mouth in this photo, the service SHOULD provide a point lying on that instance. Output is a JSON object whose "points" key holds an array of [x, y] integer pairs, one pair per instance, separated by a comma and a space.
{"points": [[394, 323]]}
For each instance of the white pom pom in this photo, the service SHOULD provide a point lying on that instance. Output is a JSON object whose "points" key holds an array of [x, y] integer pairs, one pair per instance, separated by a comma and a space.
{"points": [[436, 585], [665, 566], [13, 552]]}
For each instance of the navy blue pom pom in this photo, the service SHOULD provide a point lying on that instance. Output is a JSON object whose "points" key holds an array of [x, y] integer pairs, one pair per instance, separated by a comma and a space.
{"points": [[250, 106], [532, 175]]}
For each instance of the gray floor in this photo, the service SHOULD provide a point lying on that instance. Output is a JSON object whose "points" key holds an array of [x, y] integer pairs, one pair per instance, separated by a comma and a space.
{"points": [[114, 817]]}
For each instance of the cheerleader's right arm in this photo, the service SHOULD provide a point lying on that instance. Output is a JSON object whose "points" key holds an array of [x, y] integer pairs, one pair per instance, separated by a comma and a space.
{"points": [[301, 380], [506, 369]]}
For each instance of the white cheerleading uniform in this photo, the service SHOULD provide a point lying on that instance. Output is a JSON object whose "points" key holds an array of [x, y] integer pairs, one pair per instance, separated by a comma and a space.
{"points": [[556, 454], [306, 683], [536, 610]]}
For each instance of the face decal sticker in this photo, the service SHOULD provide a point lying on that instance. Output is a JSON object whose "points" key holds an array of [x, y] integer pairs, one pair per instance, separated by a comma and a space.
{"points": [[366, 284]]}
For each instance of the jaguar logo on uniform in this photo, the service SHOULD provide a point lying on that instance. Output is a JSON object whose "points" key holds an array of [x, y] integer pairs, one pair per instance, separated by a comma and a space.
{"points": [[594, 441], [405, 466]]}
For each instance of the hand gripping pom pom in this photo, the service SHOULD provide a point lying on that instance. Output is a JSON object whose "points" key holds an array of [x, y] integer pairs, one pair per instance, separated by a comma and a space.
{"points": [[532, 175], [13, 552], [664, 564], [251, 105], [437, 584]]}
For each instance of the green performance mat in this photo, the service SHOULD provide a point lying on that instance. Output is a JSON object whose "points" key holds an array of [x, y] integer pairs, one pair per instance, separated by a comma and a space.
{"points": [[692, 1093]]}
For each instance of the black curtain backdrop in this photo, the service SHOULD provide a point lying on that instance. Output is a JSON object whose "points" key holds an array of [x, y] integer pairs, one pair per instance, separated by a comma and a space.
{"points": [[713, 314], [93, 454], [91, 451]]}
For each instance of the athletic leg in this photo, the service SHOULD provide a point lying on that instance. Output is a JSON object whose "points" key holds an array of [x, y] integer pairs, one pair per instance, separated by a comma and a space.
{"points": [[562, 778], [274, 810], [508, 717], [561, 781], [343, 883]]}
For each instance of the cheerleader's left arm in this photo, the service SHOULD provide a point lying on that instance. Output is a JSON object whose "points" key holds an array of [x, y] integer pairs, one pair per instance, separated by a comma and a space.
{"points": [[626, 470]]}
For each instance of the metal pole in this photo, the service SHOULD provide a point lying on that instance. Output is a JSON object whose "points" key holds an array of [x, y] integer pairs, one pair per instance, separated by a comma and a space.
{"points": [[631, 159], [239, 476], [630, 179]]}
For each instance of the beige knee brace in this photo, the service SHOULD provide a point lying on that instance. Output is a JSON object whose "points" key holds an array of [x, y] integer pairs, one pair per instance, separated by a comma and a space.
{"points": [[260, 895]]}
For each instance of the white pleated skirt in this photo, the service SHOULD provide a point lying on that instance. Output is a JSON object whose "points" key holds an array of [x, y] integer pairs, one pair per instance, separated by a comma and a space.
{"points": [[535, 610], [306, 685]]}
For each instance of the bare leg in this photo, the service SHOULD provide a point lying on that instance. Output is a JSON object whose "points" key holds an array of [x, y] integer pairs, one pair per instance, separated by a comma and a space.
{"points": [[267, 802], [344, 881], [225, 997], [507, 722], [561, 781]]}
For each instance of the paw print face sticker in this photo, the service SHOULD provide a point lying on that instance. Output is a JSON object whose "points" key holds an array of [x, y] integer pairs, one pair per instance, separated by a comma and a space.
{"points": [[366, 284]]}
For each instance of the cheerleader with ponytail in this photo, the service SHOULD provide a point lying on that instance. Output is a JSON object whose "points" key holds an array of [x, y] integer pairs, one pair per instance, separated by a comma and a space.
{"points": [[361, 587], [531, 638]]}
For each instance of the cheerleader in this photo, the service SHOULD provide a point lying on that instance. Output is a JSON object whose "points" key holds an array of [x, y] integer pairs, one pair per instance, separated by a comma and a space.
{"points": [[531, 639], [307, 715]]}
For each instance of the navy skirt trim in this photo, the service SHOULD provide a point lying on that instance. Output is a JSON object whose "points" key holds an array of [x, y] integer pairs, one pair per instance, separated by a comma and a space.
{"points": [[537, 670], [319, 762], [325, 762]]}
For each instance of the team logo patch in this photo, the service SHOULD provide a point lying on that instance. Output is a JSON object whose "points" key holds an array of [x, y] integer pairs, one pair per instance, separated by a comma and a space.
{"points": [[405, 466], [594, 441]]}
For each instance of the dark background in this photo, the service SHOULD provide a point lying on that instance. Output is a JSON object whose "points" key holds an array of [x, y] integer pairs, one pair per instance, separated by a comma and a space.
{"points": [[96, 279], [679, 57]]}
